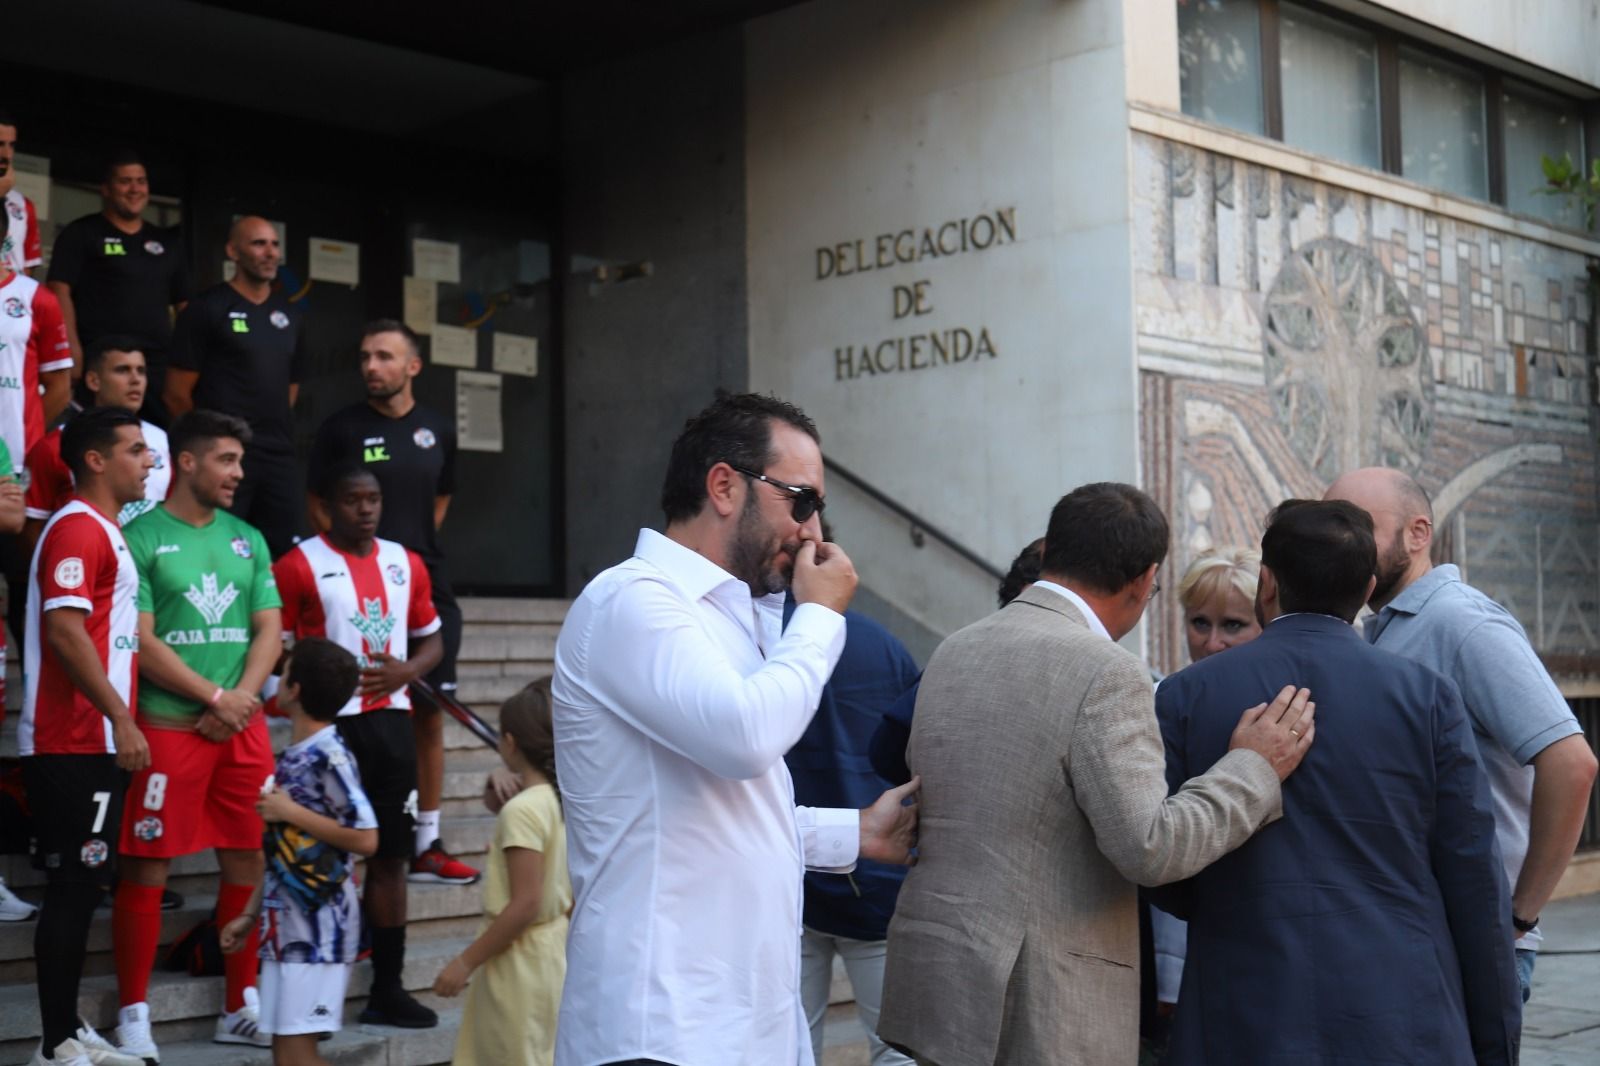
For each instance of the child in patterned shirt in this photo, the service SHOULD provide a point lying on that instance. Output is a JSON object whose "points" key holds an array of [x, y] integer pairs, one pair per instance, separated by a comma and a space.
{"points": [[316, 815]]}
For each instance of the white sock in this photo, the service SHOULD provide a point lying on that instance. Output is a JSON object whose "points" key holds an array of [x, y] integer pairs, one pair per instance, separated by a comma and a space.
{"points": [[427, 829]]}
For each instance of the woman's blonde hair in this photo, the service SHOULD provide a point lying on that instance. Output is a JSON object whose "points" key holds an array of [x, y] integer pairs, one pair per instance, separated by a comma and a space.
{"points": [[1216, 569]]}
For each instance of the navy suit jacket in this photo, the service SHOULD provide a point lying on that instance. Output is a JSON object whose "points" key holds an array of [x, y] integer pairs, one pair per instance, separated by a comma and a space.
{"points": [[1372, 923]]}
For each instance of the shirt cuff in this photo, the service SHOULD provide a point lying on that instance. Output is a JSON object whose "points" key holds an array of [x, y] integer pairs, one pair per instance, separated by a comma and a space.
{"points": [[430, 629], [81, 603], [830, 837], [55, 364], [821, 625], [37, 512]]}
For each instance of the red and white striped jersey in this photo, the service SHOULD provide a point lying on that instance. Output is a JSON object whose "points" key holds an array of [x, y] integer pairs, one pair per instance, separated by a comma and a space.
{"points": [[21, 249], [82, 562], [365, 604], [33, 339]]}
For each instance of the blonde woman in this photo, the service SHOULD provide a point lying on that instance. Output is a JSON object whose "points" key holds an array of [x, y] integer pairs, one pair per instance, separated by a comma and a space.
{"points": [[1218, 593]]}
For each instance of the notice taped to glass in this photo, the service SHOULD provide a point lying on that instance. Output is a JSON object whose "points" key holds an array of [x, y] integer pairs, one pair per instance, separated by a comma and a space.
{"points": [[479, 427]]}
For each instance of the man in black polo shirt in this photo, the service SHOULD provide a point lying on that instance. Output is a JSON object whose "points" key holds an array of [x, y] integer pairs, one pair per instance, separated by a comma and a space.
{"points": [[240, 348], [114, 273], [412, 450]]}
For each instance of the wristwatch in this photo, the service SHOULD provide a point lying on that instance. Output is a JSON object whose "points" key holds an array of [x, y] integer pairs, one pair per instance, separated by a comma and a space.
{"points": [[1525, 925]]}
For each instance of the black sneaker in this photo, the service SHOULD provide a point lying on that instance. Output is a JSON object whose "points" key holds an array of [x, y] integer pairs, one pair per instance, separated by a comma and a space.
{"points": [[399, 1008], [170, 900]]}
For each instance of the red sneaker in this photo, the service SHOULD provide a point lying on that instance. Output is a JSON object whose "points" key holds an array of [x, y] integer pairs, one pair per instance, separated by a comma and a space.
{"points": [[438, 867]]}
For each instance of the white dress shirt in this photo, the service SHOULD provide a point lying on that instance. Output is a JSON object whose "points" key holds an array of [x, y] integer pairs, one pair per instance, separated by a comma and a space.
{"points": [[684, 843], [1095, 625]]}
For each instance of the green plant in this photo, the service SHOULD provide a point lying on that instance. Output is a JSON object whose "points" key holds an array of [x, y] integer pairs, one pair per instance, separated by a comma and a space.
{"points": [[1563, 177]]}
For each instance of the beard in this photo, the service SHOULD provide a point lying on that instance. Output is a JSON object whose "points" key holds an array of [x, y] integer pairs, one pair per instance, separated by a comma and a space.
{"points": [[377, 390], [1392, 564], [752, 556]]}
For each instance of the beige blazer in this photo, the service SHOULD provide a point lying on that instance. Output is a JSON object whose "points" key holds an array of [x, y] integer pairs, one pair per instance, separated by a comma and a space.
{"points": [[1044, 801]]}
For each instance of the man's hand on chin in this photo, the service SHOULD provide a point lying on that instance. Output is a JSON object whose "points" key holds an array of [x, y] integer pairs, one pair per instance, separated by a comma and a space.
{"points": [[889, 826]]}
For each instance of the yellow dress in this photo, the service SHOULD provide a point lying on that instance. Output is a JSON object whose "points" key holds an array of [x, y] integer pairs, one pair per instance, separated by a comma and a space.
{"points": [[512, 1000]]}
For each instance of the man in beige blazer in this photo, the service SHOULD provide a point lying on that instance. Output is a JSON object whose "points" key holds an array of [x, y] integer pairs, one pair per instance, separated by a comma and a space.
{"points": [[1044, 802]]}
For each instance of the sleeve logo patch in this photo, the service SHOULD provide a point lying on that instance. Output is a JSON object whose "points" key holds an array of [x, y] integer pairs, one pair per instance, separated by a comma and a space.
{"points": [[69, 573]]}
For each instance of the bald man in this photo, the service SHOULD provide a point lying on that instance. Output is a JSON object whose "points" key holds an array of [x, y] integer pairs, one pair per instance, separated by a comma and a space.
{"points": [[240, 348], [1539, 764]]}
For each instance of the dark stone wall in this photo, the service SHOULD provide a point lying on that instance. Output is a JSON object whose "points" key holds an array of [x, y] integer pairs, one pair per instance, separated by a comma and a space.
{"points": [[652, 151]]}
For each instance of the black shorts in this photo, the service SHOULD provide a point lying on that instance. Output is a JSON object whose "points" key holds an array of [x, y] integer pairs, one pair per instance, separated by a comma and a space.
{"points": [[76, 802], [443, 676], [386, 755]]}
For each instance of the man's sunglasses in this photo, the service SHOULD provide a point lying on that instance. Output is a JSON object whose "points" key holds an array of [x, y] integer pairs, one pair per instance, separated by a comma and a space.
{"points": [[804, 498]]}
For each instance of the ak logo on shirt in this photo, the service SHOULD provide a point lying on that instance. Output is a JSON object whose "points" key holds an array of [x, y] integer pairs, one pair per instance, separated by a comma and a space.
{"points": [[113, 246], [240, 321], [374, 450]]}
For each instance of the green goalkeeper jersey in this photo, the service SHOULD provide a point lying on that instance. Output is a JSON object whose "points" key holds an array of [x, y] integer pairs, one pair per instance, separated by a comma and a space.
{"points": [[202, 584]]}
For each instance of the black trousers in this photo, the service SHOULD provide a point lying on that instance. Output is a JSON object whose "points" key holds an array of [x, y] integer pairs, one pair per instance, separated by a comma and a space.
{"points": [[443, 676], [270, 499]]}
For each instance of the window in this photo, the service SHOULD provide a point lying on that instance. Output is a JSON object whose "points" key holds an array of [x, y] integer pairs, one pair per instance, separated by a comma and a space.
{"points": [[1442, 125], [1329, 82], [1219, 57], [1330, 87], [1539, 124]]}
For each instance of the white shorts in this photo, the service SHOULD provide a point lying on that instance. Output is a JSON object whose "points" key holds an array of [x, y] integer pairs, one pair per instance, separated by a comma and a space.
{"points": [[302, 997]]}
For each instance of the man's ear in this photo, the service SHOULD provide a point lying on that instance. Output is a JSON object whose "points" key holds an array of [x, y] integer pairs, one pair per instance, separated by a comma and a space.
{"points": [[1419, 535], [1267, 588], [722, 489]]}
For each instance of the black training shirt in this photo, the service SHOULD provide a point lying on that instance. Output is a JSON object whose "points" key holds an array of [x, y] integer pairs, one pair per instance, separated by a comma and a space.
{"points": [[121, 283], [414, 458], [247, 356]]}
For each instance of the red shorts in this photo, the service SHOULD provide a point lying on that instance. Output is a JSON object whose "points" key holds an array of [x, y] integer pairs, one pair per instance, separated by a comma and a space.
{"points": [[196, 793]]}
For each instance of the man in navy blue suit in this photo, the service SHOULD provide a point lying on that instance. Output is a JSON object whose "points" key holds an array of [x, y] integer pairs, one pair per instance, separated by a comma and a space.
{"points": [[1370, 924]]}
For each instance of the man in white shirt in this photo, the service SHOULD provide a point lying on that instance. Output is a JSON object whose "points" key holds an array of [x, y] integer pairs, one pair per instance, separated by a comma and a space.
{"points": [[677, 692]]}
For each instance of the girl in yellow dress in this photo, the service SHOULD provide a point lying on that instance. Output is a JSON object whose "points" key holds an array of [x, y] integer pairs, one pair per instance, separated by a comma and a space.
{"points": [[520, 955]]}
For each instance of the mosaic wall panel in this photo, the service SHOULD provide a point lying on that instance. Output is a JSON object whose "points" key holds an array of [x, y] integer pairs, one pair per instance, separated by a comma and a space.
{"points": [[1289, 330]]}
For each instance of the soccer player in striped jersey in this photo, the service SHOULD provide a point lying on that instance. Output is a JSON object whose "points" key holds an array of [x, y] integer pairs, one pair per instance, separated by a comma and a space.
{"points": [[78, 737], [372, 597]]}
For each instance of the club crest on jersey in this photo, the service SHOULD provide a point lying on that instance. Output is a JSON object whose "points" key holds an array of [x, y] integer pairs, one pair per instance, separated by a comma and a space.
{"points": [[69, 573], [241, 547], [14, 308], [16, 210], [94, 853], [374, 624], [424, 438], [154, 247], [209, 600], [397, 574], [148, 829], [279, 319]]}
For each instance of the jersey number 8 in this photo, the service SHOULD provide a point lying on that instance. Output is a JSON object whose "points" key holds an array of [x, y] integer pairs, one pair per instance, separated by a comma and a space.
{"points": [[155, 792]]}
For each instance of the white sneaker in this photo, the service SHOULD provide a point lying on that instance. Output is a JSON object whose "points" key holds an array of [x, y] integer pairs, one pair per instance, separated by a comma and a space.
{"points": [[13, 909], [243, 1026], [68, 1053], [133, 1034], [100, 1051]]}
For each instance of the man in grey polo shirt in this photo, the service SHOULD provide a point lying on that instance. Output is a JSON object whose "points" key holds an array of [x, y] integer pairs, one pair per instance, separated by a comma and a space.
{"points": [[1539, 764]]}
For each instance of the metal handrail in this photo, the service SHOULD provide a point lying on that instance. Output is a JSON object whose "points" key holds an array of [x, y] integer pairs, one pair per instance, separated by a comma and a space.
{"points": [[919, 525]]}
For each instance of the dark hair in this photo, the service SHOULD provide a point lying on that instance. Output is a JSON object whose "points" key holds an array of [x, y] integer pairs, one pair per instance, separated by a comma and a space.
{"points": [[1024, 571], [1323, 554], [122, 157], [94, 356], [95, 430], [736, 429], [1105, 535], [394, 325], [197, 431], [6, 119], [525, 718], [327, 481], [326, 673]]}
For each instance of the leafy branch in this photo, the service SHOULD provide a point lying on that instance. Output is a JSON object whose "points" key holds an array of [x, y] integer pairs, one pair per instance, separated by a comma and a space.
{"points": [[1563, 177]]}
